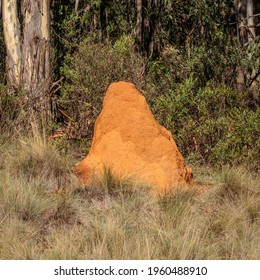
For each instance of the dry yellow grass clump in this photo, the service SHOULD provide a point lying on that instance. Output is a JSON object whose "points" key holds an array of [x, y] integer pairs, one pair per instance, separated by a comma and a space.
{"points": [[44, 215]]}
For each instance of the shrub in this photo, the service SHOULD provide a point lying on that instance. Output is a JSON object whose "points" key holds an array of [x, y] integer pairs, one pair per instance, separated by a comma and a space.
{"points": [[214, 123], [89, 72]]}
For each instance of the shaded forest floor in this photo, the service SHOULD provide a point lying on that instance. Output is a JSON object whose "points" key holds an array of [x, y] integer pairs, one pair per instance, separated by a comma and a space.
{"points": [[44, 215]]}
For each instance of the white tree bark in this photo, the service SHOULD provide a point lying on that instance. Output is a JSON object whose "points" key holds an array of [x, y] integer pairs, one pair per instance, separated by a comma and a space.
{"points": [[12, 36], [28, 53], [138, 28], [250, 19], [36, 68], [46, 34], [76, 7]]}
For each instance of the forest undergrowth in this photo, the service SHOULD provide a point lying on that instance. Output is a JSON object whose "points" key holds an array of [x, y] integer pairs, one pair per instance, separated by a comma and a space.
{"points": [[44, 214]]}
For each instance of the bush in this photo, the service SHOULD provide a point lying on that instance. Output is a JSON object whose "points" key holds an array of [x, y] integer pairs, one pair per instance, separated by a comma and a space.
{"points": [[212, 123], [89, 72], [241, 142]]}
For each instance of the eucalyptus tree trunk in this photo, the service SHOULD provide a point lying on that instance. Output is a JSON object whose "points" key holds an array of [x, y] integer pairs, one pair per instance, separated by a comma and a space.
{"points": [[250, 19], [138, 28], [103, 19], [35, 73], [246, 33], [155, 28], [12, 36], [76, 7], [241, 8], [27, 42]]}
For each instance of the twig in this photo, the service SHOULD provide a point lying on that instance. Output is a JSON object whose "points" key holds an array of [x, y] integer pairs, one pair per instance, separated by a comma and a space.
{"points": [[66, 115], [254, 78]]}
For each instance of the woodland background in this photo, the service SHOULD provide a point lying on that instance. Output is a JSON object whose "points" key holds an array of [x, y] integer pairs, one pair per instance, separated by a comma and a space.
{"points": [[197, 64]]}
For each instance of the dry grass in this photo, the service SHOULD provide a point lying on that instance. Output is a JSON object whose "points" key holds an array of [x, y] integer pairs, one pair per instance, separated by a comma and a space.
{"points": [[43, 215]]}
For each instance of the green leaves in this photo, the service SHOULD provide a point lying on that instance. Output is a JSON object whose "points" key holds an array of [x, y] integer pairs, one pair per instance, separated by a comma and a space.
{"points": [[213, 122]]}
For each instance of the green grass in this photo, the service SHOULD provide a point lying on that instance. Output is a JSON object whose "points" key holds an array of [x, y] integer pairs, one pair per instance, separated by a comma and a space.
{"points": [[45, 215]]}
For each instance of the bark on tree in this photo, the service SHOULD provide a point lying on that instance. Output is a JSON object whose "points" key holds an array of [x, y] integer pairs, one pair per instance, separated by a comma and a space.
{"points": [[245, 20], [145, 26], [246, 32], [12, 36], [76, 7], [250, 19], [103, 20], [28, 54], [240, 8], [148, 25], [139, 21], [154, 28], [35, 51]]}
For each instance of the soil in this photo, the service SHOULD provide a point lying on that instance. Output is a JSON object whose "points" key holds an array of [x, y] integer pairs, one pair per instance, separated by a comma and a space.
{"points": [[128, 140]]}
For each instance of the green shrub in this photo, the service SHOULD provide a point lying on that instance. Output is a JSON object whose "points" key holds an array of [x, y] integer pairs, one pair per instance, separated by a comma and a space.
{"points": [[241, 143], [214, 123], [89, 72]]}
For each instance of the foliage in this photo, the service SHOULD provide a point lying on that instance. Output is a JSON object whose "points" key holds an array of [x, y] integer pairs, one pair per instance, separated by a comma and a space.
{"points": [[215, 123], [252, 58], [190, 83], [89, 72]]}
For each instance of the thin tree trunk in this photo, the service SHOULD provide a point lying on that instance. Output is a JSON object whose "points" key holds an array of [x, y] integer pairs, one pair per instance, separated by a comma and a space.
{"points": [[129, 12], [103, 20], [251, 36], [76, 7], [154, 28], [159, 25], [250, 19], [12, 36], [138, 27], [241, 6], [145, 27]]}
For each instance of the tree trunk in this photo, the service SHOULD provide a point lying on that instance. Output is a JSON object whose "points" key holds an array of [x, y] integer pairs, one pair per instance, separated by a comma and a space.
{"points": [[155, 28], [241, 6], [152, 28], [12, 36], [103, 20], [250, 19], [28, 54], [76, 7], [138, 27], [145, 26], [36, 68]]}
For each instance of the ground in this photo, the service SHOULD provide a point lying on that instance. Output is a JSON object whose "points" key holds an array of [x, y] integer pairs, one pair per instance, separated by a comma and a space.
{"points": [[45, 215]]}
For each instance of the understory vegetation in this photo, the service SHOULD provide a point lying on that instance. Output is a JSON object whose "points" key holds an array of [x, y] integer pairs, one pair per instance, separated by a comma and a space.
{"points": [[198, 67], [44, 215]]}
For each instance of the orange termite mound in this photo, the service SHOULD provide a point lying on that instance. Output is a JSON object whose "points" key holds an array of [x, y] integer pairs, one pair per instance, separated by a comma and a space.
{"points": [[129, 140]]}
